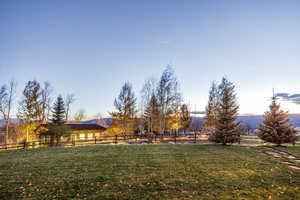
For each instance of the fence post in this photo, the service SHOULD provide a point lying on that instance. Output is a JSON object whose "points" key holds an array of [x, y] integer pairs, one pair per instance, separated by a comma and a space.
{"points": [[95, 140], [116, 139], [175, 137], [195, 137], [24, 145]]}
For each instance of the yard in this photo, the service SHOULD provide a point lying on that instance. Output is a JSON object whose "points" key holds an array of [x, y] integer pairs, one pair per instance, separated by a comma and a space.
{"points": [[163, 171]]}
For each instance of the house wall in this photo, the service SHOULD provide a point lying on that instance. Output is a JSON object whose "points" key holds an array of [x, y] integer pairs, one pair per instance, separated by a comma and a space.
{"points": [[86, 134]]}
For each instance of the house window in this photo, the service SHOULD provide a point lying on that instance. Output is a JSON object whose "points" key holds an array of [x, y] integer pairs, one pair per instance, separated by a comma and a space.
{"points": [[90, 136], [81, 136]]}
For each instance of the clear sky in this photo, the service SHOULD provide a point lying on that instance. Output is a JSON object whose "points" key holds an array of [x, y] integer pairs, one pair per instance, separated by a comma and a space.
{"points": [[91, 48]]}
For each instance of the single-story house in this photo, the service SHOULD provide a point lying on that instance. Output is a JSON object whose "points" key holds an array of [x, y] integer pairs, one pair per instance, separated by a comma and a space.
{"points": [[86, 131], [83, 131]]}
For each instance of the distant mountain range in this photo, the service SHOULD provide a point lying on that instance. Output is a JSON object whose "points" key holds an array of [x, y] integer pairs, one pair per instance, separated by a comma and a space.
{"points": [[106, 122], [249, 120], [253, 120]]}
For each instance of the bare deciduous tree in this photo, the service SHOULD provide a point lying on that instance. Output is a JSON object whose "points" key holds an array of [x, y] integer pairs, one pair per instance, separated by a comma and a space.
{"points": [[30, 107], [70, 98], [148, 90], [46, 101], [79, 115], [168, 96], [99, 116], [148, 96], [7, 94], [125, 105]]}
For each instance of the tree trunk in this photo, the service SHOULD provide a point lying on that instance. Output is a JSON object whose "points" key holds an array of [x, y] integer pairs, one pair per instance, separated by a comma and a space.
{"points": [[51, 141], [7, 132], [57, 141]]}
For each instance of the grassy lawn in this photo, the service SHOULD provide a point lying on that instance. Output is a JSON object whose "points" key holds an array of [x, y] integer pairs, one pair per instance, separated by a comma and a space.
{"points": [[182, 171], [290, 149]]}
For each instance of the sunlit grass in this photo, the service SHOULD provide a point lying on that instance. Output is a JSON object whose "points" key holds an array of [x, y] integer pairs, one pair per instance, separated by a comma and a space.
{"points": [[182, 171]]}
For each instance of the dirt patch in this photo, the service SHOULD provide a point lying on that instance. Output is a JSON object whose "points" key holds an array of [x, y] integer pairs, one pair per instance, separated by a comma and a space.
{"points": [[284, 154], [287, 162], [284, 158], [294, 167], [274, 154], [291, 157]]}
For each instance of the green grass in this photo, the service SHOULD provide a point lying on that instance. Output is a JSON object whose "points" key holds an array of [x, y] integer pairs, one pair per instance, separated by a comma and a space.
{"points": [[249, 137], [182, 171], [294, 150]]}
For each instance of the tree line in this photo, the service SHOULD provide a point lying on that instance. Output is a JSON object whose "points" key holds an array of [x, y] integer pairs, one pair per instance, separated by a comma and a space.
{"points": [[36, 107], [222, 113], [161, 110]]}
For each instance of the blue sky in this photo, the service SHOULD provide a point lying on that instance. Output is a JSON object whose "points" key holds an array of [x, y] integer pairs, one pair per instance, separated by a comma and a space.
{"points": [[91, 48]]}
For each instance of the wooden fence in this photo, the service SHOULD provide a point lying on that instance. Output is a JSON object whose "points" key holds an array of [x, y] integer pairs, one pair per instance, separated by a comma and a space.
{"points": [[116, 139]]}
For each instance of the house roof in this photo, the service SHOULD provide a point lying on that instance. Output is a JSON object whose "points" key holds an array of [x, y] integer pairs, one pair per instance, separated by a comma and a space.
{"points": [[78, 127]]}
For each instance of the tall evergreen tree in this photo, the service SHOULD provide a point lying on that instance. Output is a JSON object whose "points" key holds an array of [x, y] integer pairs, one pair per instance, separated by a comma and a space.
{"points": [[227, 129], [126, 112], [57, 129], [211, 109], [58, 112], [185, 117], [275, 127]]}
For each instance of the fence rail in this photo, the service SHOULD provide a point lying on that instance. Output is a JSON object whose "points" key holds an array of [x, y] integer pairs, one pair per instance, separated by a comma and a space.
{"points": [[111, 139]]}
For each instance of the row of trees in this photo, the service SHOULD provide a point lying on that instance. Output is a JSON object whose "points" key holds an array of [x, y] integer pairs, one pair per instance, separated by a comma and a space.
{"points": [[161, 108], [33, 109], [222, 112]]}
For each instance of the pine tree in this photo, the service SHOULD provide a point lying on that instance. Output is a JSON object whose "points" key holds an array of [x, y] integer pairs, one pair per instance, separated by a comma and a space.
{"points": [[185, 117], [227, 129], [58, 112], [211, 109], [57, 128], [275, 127]]}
